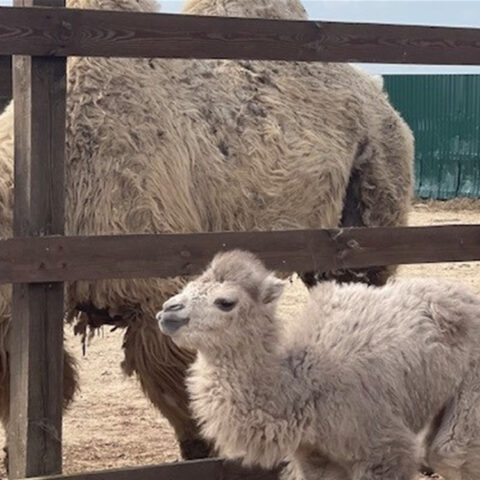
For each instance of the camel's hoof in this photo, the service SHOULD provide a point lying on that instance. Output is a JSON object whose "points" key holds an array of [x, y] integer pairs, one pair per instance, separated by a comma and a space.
{"points": [[427, 471], [194, 449]]}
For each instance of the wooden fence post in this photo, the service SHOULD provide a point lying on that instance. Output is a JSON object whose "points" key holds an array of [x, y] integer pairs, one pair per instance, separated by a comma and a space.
{"points": [[36, 338]]}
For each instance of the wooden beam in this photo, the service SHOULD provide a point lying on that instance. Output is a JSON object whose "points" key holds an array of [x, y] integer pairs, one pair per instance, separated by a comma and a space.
{"points": [[133, 34], [209, 469], [5, 78], [3, 103], [54, 259], [36, 338]]}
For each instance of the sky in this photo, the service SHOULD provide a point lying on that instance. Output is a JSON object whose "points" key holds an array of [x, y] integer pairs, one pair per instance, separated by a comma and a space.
{"points": [[459, 13]]}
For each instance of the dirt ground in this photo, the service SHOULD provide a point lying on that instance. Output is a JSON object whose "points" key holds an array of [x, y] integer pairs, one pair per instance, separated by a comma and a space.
{"points": [[112, 425]]}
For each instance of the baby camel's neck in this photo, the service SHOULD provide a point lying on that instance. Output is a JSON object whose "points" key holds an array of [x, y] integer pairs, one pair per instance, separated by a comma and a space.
{"points": [[250, 362], [248, 401], [255, 354], [261, 377]]}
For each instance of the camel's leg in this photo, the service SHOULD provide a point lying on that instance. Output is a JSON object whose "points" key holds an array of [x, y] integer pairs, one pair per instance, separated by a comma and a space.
{"points": [[471, 468], [453, 444], [385, 471], [309, 464], [324, 471], [352, 217], [391, 453], [380, 186], [70, 386], [161, 368]]}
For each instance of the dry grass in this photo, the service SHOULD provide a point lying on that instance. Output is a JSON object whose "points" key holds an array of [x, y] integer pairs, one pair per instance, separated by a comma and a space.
{"points": [[456, 204], [111, 424]]}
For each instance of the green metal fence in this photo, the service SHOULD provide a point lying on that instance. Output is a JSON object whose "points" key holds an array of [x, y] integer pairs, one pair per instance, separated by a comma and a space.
{"points": [[444, 114]]}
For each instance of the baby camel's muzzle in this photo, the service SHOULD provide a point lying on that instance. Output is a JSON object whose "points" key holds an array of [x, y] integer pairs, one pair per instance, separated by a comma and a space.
{"points": [[172, 319]]}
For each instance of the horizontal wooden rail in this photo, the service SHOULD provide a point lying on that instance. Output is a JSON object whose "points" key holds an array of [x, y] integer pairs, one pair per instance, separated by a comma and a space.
{"points": [[52, 259], [212, 469], [64, 32]]}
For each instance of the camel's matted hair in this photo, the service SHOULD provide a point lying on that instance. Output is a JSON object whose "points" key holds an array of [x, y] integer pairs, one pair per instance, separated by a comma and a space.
{"points": [[161, 146]]}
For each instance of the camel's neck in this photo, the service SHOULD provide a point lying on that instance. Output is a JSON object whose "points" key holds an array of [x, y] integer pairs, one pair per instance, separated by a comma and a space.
{"points": [[257, 367], [122, 5], [276, 9], [249, 402]]}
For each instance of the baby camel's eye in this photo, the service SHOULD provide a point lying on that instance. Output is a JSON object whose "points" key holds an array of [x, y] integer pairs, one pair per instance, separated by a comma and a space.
{"points": [[224, 304]]}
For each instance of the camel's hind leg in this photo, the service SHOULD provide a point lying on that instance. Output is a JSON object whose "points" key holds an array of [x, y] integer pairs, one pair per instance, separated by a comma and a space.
{"points": [[378, 193], [70, 385], [352, 217], [453, 445]]}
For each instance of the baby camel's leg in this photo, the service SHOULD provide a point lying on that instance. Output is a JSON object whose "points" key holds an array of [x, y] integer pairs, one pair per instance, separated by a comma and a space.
{"points": [[325, 471], [453, 445], [387, 460], [313, 466], [385, 471]]}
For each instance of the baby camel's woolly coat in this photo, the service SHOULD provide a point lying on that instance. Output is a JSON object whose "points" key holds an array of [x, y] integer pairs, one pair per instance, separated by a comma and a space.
{"points": [[351, 387]]}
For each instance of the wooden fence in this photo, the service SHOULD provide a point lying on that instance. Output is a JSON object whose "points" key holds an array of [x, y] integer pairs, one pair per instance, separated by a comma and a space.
{"points": [[39, 258], [210, 469]]}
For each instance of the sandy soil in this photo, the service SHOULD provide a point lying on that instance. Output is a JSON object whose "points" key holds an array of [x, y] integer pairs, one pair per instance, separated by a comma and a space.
{"points": [[112, 425]]}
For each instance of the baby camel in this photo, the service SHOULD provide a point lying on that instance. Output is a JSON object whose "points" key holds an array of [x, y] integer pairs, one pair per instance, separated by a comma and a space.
{"points": [[367, 384]]}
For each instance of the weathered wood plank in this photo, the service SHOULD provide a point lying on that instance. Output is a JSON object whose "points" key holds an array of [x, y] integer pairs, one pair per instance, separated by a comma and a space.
{"points": [[36, 341], [232, 471], [201, 469], [5, 78], [4, 101], [210, 469], [52, 259], [132, 34]]}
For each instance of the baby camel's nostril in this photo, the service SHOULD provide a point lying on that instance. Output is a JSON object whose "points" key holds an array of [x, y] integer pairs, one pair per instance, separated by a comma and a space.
{"points": [[174, 308]]}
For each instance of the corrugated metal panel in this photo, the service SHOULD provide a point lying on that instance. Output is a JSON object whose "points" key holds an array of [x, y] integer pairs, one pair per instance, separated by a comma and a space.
{"points": [[444, 114]]}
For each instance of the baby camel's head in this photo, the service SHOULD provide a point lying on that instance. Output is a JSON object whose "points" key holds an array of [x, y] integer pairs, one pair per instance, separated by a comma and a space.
{"points": [[231, 302]]}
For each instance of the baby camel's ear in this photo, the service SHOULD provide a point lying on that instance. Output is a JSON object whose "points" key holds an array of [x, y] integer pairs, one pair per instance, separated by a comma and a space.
{"points": [[272, 288]]}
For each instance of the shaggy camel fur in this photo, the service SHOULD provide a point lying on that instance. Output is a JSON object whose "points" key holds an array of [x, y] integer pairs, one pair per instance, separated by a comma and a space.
{"points": [[347, 392], [187, 146]]}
